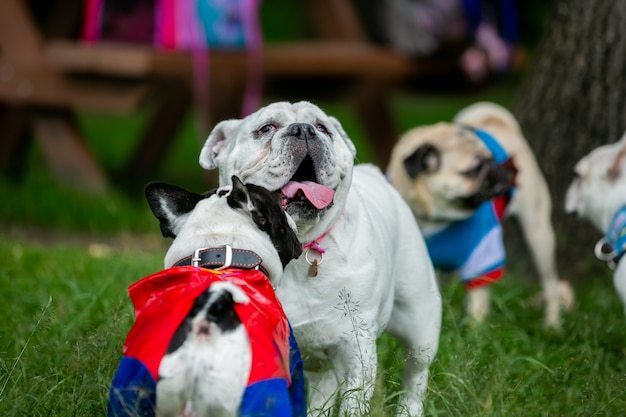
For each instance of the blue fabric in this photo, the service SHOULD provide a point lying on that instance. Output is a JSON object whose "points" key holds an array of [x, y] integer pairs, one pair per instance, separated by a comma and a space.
{"points": [[451, 248], [266, 398], [472, 246], [508, 23], [616, 236], [509, 26], [297, 391], [498, 152], [473, 13], [223, 23], [133, 390]]}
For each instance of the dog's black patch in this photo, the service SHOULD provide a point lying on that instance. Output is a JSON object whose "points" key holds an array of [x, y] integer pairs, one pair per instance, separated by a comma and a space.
{"points": [[221, 312], [269, 217], [238, 197], [169, 201], [425, 158], [166, 200], [499, 180]]}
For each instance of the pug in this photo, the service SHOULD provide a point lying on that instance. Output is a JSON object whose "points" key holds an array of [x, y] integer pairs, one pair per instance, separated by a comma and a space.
{"points": [[598, 194], [365, 268], [460, 179]]}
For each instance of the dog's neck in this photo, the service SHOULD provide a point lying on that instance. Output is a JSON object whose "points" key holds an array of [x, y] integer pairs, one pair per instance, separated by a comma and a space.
{"points": [[615, 239], [223, 257]]}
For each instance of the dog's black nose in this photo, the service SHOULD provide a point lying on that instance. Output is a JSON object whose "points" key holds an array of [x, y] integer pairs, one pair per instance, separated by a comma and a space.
{"points": [[302, 131]]}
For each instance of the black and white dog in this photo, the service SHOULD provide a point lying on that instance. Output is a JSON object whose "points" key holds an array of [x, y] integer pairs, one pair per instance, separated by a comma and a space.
{"points": [[210, 337]]}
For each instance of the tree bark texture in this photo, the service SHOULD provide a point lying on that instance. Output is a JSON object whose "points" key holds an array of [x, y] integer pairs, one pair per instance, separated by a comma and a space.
{"points": [[572, 100]]}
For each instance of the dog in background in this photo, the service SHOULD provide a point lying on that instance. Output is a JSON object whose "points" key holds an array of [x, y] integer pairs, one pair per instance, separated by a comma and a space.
{"points": [[460, 178], [365, 268], [598, 193], [210, 336]]}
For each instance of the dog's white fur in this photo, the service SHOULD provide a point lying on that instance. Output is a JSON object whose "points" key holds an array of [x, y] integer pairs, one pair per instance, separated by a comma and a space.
{"points": [[212, 371], [375, 275], [213, 224], [531, 203], [596, 194]]}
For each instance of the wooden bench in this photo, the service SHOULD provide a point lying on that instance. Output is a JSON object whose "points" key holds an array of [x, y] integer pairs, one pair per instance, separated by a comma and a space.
{"points": [[43, 91]]}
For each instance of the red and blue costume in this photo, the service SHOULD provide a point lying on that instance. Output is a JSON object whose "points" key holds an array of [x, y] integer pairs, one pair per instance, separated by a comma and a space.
{"points": [[473, 247], [163, 300]]}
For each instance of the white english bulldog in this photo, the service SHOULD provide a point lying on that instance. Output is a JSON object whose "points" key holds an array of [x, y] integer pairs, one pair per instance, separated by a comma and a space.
{"points": [[365, 268], [598, 194]]}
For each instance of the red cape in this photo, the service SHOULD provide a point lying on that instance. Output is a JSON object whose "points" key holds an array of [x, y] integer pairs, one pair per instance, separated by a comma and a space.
{"points": [[164, 299]]}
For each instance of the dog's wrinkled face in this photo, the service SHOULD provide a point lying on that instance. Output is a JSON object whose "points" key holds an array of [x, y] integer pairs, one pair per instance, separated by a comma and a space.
{"points": [[295, 150], [239, 218], [444, 171], [594, 194]]}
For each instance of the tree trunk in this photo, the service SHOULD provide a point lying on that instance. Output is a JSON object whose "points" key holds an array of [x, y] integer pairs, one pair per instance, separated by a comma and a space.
{"points": [[573, 100]]}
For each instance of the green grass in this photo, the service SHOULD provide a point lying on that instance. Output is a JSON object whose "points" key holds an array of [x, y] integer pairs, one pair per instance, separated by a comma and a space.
{"points": [[66, 260], [65, 316]]}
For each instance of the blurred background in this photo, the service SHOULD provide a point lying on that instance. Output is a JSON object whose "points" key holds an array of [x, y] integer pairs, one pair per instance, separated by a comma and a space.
{"points": [[99, 97]]}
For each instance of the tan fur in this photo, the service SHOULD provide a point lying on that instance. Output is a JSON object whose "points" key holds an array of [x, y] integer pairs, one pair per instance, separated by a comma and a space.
{"points": [[431, 195]]}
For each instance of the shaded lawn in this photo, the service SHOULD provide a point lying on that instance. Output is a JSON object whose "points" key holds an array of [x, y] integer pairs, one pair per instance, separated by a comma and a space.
{"points": [[65, 316], [66, 260]]}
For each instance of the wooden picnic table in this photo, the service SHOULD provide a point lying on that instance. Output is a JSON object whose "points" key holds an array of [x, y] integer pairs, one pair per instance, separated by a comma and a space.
{"points": [[40, 90]]}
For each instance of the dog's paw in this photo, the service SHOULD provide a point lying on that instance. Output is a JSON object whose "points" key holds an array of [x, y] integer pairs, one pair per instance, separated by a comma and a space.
{"points": [[478, 304], [566, 295]]}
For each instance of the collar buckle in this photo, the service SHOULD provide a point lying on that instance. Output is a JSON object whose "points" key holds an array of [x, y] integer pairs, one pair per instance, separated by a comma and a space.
{"points": [[228, 257]]}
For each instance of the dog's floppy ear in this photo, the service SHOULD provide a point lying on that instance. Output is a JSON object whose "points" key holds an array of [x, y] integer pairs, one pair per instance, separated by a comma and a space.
{"points": [[216, 141], [266, 212], [344, 135], [269, 216], [425, 158], [239, 196], [169, 203]]}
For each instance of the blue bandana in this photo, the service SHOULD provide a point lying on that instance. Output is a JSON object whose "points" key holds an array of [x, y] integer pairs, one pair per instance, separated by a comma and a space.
{"points": [[616, 236], [473, 247]]}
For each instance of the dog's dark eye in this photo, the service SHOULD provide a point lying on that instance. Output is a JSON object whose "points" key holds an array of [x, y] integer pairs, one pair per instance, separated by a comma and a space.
{"points": [[265, 129], [473, 172], [259, 219], [322, 128]]}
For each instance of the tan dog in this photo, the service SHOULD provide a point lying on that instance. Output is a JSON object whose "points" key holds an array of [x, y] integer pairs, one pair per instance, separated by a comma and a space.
{"points": [[445, 172]]}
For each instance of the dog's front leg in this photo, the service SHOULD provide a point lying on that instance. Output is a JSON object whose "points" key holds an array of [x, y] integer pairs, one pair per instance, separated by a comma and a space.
{"points": [[322, 392], [355, 366], [619, 279]]}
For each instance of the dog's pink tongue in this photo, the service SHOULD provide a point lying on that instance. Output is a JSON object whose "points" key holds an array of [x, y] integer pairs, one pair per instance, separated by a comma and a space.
{"points": [[318, 195]]}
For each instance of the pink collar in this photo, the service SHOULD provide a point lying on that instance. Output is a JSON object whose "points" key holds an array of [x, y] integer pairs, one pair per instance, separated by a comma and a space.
{"points": [[314, 244]]}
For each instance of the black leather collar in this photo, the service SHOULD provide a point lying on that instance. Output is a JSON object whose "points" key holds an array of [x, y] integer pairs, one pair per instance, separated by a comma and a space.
{"points": [[223, 257]]}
